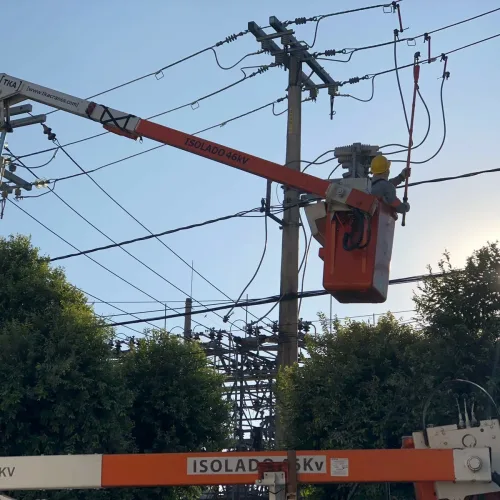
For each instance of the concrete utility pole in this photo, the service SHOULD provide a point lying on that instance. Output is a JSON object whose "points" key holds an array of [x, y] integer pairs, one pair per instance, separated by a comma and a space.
{"points": [[291, 57], [288, 309]]}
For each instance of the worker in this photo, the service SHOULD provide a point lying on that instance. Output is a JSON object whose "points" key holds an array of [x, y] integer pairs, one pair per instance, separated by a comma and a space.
{"points": [[385, 188]]}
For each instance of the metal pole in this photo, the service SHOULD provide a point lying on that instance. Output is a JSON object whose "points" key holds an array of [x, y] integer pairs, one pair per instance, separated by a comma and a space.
{"points": [[187, 319], [288, 309]]}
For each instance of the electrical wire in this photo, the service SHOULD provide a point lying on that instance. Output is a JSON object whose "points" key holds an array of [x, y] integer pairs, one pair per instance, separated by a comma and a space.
{"points": [[399, 81], [318, 19], [124, 249], [316, 162], [157, 235], [306, 255], [121, 278], [357, 79], [351, 51], [262, 69], [278, 298], [159, 73], [236, 63], [444, 131], [221, 124], [405, 148], [331, 173], [259, 265], [56, 150], [453, 178], [358, 98], [150, 233]]}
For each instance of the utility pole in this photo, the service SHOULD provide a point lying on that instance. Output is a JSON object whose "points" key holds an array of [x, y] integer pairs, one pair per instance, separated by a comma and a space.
{"points": [[187, 318], [288, 309], [291, 56]]}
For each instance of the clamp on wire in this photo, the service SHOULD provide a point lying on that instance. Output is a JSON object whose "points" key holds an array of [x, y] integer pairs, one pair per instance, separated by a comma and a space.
{"points": [[396, 8], [427, 38], [446, 74]]}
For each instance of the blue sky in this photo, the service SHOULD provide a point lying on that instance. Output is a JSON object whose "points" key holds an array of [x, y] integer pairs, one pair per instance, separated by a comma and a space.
{"points": [[82, 52]]}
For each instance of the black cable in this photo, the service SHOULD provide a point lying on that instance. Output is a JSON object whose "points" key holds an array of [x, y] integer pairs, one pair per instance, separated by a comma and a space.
{"points": [[331, 173], [444, 132], [228, 39], [278, 298], [318, 19], [115, 307], [358, 98], [93, 260], [399, 82], [315, 162], [262, 69], [306, 255], [152, 236], [110, 239], [236, 63], [156, 235], [452, 178], [405, 148], [357, 79], [43, 164], [160, 145], [408, 39], [259, 265]]}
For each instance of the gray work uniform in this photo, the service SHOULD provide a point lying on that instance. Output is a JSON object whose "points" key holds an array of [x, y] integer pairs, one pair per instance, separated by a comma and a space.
{"points": [[386, 190]]}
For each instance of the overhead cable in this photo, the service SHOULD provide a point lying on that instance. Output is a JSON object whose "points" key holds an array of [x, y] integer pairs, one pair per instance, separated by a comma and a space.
{"points": [[276, 298], [318, 19], [259, 265], [121, 278], [150, 233], [351, 51], [158, 74], [262, 69], [157, 235]]}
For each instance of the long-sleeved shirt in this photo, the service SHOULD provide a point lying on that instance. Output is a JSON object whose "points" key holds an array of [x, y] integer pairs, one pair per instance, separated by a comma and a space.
{"points": [[386, 190]]}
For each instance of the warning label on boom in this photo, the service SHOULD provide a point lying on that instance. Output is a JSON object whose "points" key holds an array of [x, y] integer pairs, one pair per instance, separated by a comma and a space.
{"points": [[312, 464]]}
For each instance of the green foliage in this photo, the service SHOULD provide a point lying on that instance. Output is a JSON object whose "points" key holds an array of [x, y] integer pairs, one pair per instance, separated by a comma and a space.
{"points": [[63, 393], [364, 386], [178, 399], [178, 403], [59, 393]]}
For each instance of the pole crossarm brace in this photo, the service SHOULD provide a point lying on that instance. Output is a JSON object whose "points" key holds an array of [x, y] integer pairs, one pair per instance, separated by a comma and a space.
{"points": [[275, 50], [306, 56], [221, 468]]}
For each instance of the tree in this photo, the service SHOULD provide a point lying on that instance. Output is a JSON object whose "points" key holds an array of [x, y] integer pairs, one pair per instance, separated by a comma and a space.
{"points": [[354, 391], [60, 391], [178, 402], [365, 386]]}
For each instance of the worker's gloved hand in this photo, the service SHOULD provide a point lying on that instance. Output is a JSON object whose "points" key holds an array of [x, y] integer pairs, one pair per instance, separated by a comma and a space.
{"points": [[404, 173], [407, 206]]}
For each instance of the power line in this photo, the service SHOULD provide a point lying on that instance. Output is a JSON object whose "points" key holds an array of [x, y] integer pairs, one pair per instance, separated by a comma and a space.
{"points": [[220, 124], [93, 260], [318, 19], [157, 235], [159, 73], [278, 298], [261, 69], [444, 78], [351, 51], [149, 231], [259, 265]]}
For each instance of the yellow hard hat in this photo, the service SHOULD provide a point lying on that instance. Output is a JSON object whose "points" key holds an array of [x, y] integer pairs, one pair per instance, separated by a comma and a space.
{"points": [[380, 165]]}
